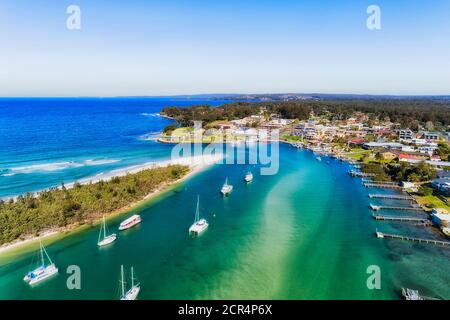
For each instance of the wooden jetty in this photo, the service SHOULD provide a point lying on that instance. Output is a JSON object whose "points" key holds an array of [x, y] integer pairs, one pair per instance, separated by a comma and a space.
{"points": [[420, 240], [381, 185], [402, 219], [360, 174], [380, 182], [377, 208], [391, 196]]}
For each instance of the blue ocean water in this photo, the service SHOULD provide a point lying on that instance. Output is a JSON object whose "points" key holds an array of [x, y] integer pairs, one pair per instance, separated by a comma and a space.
{"points": [[47, 141]]}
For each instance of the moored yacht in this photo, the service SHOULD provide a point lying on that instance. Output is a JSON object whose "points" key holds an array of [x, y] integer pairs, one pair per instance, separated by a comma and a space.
{"points": [[248, 177], [199, 225], [43, 271], [130, 222], [104, 239], [134, 290], [226, 188]]}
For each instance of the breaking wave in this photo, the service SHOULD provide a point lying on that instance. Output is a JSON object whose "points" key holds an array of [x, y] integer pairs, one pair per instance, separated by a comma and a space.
{"points": [[54, 166], [145, 114]]}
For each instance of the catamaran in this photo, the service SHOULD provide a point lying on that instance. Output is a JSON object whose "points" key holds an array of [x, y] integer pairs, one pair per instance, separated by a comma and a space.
{"points": [[248, 177], [226, 188], [130, 222], [134, 290], [410, 294], [199, 225], [103, 239], [42, 272]]}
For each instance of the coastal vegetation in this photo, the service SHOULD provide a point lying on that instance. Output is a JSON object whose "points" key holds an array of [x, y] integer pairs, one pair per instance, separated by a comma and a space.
{"points": [[290, 138], [409, 113], [399, 172], [403, 171], [443, 150], [59, 207], [168, 130]]}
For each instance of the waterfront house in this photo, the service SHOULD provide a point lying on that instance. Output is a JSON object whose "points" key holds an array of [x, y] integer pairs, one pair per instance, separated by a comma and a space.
{"points": [[418, 142], [442, 185], [280, 122], [224, 125], [439, 164], [435, 158], [387, 145], [428, 147], [408, 149], [411, 158], [384, 132], [356, 142], [269, 126], [408, 185], [388, 155], [431, 136], [405, 134], [441, 219]]}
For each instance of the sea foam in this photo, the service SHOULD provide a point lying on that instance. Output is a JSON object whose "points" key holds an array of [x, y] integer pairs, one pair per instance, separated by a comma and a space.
{"points": [[145, 114], [54, 166]]}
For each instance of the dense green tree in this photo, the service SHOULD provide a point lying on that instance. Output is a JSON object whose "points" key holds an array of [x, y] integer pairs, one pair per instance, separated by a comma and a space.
{"points": [[409, 113], [29, 214]]}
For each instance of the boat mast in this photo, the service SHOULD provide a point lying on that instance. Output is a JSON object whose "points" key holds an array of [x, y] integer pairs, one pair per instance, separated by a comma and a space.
{"points": [[42, 253], [104, 228], [100, 233], [197, 212], [123, 283]]}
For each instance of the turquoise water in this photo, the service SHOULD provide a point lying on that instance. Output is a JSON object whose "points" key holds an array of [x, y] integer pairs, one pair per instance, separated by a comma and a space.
{"points": [[304, 233]]}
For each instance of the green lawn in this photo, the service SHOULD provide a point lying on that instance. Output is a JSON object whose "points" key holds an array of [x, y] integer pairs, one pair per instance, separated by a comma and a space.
{"points": [[356, 154], [431, 201], [289, 138]]}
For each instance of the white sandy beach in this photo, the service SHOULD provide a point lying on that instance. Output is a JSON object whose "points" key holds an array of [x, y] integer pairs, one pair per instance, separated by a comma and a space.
{"points": [[195, 163]]}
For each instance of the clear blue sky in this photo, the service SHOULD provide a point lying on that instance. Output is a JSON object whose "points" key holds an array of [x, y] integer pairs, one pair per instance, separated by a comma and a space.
{"points": [[166, 47]]}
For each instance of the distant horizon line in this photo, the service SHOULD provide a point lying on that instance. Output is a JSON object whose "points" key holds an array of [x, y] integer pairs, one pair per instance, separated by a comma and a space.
{"points": [[228, 95]]}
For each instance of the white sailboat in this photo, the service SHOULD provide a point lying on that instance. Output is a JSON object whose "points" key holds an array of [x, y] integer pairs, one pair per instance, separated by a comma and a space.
{"points": [[134, 290], [226, 188], [43, 271], [103, 239], [248, 177], [199, 225]]}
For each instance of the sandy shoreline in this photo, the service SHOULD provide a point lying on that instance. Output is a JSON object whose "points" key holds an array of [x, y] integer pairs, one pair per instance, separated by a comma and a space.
{"points": [[196, 164]]}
